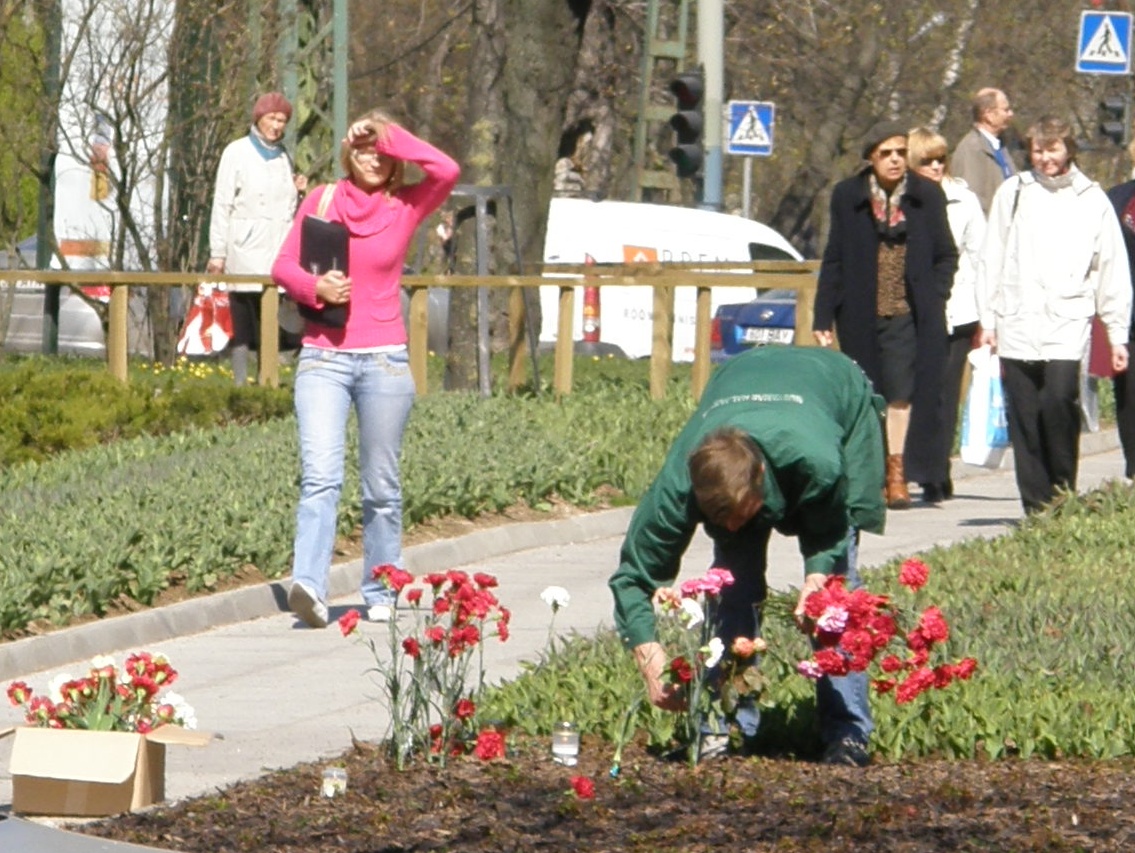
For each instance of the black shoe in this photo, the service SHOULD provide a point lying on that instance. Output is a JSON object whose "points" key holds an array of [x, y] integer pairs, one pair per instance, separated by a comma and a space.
{"points": [[932, 493], [849, 752]]}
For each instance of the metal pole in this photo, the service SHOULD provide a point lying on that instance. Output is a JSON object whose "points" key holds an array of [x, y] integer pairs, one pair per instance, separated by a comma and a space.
{"points": [[711, 41], [339, 55], [746, 187], [287, 49], [483, 297], [52, 48]]}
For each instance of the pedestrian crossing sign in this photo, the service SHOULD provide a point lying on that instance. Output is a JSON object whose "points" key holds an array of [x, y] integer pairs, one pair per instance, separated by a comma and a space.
{"points": [[749, 128], [1104, 46]]}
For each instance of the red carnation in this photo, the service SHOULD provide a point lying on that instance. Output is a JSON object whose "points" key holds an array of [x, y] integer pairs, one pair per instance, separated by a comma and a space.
{"points": [[484, 581], [411, 647], [19, 692], [964, 668], [919, 681], [490, 745], [414, 596], [584, 787], [831, 662], [890, 663], [681, 670], [914, 574], [348, 622], [933, 625], [465, 709]]}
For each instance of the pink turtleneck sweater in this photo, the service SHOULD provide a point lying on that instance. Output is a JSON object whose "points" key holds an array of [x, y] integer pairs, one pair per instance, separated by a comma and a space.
{"points": [[381, 228]]}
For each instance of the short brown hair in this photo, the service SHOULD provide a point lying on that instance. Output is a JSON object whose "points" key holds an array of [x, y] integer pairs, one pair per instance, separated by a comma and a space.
{"points": [[726, 469], [379, 121], [1049, 129]]}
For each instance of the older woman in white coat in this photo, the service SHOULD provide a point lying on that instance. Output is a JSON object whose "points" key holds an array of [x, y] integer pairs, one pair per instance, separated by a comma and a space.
{"points": [[1053, 257], [927, 156]]}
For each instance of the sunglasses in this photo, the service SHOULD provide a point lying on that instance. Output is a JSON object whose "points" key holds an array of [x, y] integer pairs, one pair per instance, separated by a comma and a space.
{"points": [[364, 156], [935, 161], [884, 153]]}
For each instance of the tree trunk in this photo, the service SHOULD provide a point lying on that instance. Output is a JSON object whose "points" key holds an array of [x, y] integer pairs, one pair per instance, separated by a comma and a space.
{"points": [[525, 53]]}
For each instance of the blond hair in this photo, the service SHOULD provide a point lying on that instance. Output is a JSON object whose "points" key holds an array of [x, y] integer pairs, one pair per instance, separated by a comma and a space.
{"points": [[924, 144], [379, 121], [726, 470]]}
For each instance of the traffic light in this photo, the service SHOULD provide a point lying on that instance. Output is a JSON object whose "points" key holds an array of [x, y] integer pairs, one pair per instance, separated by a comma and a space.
{"points": [[1115, 118], [688, 122]]}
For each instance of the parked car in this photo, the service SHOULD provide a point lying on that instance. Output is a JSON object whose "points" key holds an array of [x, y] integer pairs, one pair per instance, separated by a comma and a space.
{"points": [[768, 319]]}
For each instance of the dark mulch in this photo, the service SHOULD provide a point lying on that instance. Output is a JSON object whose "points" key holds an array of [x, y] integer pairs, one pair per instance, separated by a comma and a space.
{"points": [[527, 803]]}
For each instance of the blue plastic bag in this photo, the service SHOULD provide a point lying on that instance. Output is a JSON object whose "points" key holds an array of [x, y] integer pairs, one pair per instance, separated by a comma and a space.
{"points": [[985, 431]]}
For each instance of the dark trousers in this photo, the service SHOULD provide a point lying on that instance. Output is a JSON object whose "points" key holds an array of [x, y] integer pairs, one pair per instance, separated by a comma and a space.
{"points": [[1042, 402], [245, 309], [959, 343], [1124, 385], [841, 703]]}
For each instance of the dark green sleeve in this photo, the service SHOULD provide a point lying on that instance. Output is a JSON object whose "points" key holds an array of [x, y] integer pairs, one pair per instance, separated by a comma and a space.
{"points": [[651, 556], [863, 458]]}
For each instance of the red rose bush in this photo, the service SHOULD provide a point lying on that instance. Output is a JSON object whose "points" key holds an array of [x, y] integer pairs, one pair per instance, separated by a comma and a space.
{"points": [[853, 630]]}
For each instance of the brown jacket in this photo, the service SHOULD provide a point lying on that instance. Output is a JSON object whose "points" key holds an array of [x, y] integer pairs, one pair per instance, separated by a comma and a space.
{"points": [[975, 163]]}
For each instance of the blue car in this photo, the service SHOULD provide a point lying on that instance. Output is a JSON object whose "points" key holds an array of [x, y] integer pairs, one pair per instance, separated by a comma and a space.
{"points": [[768, 319]]}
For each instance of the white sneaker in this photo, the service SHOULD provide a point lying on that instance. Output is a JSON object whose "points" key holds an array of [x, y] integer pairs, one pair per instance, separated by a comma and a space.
{"points": [[380, 613], [307, 606], [713, 746]]}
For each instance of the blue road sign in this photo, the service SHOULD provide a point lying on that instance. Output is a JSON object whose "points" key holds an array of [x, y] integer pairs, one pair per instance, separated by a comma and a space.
{"points": [[750, 127], [1104, 46]]}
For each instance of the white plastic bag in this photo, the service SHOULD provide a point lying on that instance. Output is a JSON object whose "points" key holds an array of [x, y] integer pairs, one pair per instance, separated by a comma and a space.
{"points": [[985, 431]]}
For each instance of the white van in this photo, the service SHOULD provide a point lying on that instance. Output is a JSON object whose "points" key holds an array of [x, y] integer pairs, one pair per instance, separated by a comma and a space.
{"points": [[629, 232]]}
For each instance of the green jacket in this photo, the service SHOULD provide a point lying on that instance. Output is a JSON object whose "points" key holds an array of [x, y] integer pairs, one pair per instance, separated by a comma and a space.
{"points": [[817, 421]]}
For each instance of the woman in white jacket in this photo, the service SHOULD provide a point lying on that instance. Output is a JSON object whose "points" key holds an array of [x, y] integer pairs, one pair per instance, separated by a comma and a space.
{"points": [[253, 203], [927, 156], [1053, 256]]}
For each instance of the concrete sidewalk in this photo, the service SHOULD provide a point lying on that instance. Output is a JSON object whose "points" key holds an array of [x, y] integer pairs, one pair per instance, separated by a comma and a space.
{"points": [[278, 693]]}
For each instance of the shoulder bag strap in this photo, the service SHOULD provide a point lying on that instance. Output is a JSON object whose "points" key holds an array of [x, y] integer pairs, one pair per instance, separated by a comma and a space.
{"points": [[325, 200]]}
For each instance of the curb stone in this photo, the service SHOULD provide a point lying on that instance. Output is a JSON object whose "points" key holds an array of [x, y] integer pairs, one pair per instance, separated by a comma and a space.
{"points": [[196, 615]]}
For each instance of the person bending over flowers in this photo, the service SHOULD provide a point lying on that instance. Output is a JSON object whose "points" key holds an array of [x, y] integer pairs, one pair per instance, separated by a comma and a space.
{"points": [[786, 438]]}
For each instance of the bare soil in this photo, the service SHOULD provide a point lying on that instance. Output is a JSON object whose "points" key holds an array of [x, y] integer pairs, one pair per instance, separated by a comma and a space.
{"points": [[527, 803]]}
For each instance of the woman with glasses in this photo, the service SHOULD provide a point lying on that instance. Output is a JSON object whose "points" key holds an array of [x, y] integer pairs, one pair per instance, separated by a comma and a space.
{"points": [[884, 279], [926, 151], [1052, 258], [362, 363]]}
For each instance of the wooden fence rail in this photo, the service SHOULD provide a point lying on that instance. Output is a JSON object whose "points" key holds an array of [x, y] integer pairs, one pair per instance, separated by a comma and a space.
{"points": [[662, 278]]}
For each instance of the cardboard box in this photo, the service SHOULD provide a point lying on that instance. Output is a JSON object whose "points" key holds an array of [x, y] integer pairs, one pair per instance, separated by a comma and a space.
{"points": [[76, 773]]}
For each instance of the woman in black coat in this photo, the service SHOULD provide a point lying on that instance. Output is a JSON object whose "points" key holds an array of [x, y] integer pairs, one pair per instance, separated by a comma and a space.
{"points": [[884, 281]]}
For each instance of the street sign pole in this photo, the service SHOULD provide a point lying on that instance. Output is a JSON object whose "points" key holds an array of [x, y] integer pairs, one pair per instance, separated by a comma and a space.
{"points": [[747, 188]]}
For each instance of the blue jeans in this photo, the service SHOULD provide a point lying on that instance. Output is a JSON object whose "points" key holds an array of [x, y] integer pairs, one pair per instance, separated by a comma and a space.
{"points": [[381, 389], [841, 703]]}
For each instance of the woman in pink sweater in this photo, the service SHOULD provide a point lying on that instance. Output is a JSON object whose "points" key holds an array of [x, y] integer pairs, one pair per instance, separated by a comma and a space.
{"points": [[362, 363]]}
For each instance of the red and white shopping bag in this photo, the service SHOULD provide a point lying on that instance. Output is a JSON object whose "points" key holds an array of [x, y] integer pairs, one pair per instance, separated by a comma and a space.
{"points": [[208, 326]]}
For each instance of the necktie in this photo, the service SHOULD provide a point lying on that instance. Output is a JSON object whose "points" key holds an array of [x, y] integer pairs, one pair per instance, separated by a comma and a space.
{"points": [[1003, 162]]}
